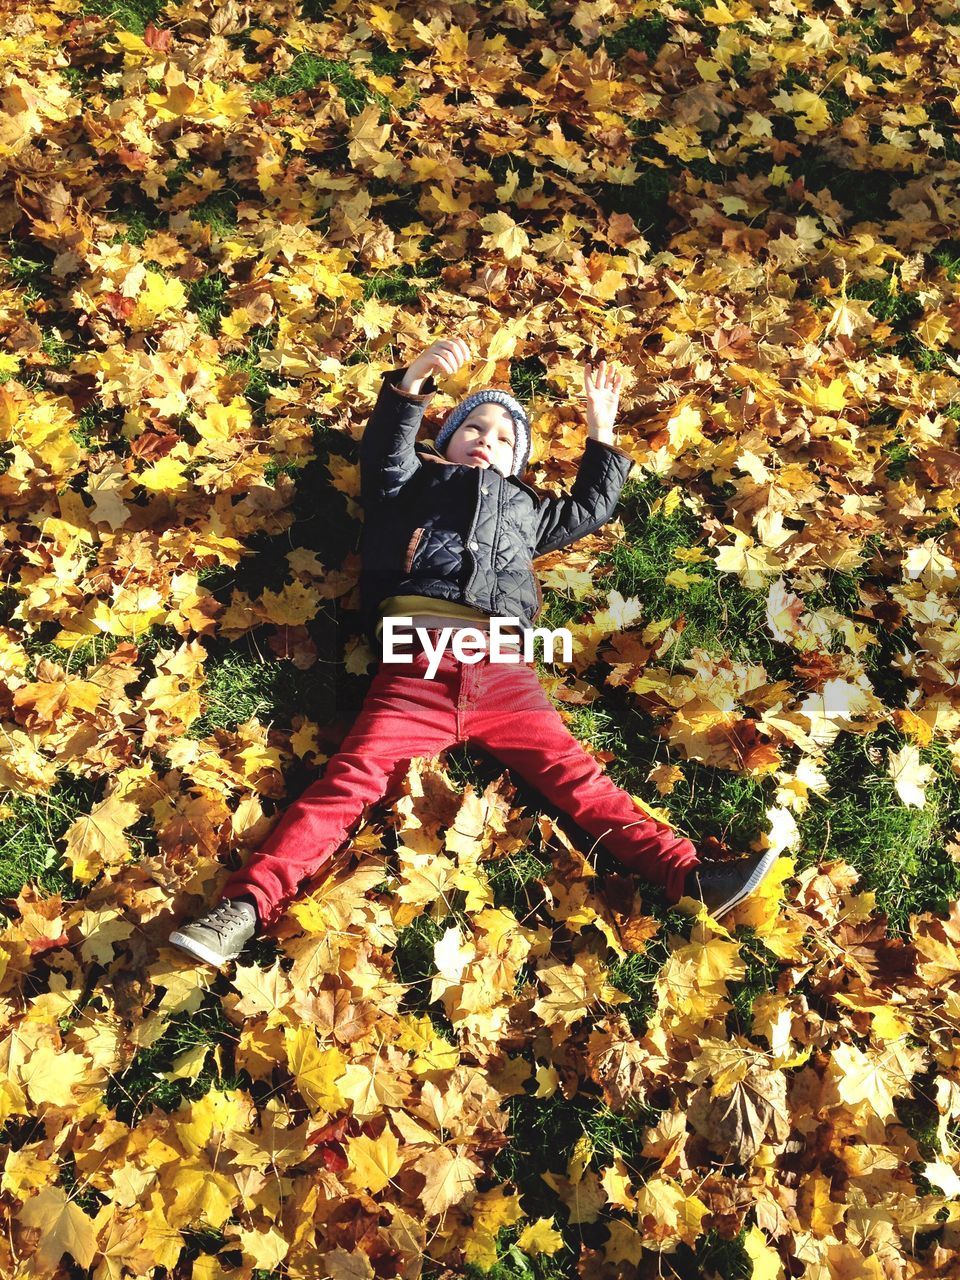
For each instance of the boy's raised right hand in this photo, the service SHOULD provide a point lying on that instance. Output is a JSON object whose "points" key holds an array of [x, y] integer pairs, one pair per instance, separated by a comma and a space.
{"points": [[445, 356]]}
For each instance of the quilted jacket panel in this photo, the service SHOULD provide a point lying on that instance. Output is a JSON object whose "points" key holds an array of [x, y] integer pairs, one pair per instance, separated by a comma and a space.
{"points": [[468, 534]]}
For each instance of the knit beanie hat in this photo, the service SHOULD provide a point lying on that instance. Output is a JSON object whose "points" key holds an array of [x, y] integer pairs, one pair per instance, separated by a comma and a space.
{"points": [[521, 443]]}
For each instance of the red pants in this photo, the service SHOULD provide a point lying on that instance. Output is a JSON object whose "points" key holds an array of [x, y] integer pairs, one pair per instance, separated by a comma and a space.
{"points": [[501, 707]]}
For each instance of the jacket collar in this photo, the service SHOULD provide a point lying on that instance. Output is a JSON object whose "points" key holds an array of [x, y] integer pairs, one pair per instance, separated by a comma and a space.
{"points": [[431, 453]]}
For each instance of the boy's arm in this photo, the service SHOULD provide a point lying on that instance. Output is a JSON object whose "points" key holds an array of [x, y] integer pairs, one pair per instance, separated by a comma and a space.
{"points": [[592, 500], [387, 457]]}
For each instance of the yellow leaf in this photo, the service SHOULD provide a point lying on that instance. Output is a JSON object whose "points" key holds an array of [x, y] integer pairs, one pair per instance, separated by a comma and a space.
{"points": [[292, 606], [615, 1180], [490, 1211], [815, 1208], [667, 1214], [541, 1236], [202, 1193], [682, 579], [373, 1161], [548, 1081], [219, 422], [264, 991], [358, 657], [166, 474], [96, 840], [909, 775], [450, 1178], [188, 1065], [765, 1259], [157, 297], [315, 1069], [928, 563], [873, 1077], [63, 1226], [52, 1075], [433, 1053], [451, 956], [505, 235], [761, 910], [751, 563], [944, 1176], [345, 475], [580, 1157], [265, 1249], [684, 430]]}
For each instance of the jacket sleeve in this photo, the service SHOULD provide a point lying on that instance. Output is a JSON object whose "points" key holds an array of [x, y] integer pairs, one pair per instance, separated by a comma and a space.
{"points": [[387, 457], [591, 502]]}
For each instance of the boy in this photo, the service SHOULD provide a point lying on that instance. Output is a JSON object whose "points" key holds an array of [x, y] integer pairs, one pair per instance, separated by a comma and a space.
{"points": [[450, 532]]}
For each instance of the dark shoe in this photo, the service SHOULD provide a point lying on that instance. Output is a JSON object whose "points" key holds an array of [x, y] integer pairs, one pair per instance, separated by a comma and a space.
{"points": [[221, 934], [721, 885]]}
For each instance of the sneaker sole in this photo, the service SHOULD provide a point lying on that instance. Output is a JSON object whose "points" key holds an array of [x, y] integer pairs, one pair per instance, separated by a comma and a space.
{"points": [[198, 950], [756, 878]]}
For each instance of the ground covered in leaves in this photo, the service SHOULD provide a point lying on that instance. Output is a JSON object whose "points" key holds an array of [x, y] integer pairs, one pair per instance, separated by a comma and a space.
{"points": [[476, 1047]]}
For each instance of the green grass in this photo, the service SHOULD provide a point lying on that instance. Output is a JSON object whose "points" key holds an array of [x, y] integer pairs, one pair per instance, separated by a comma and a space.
{"points": [[260, 382], [413, 964], [528, 380], [947, 256], [902, 311], [644, 35], [206, 297], [135, 225], [241, 683], [132, 15], [58, 349], [898, 849], [720, 615], [512, 881], [134, 1092], [74, 660], [401, 285], [307, 71], [30, 836], [762, 973], [27, 264]]}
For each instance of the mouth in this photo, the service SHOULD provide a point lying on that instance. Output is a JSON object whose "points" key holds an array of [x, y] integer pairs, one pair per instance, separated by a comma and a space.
{"points": [[480, 455]]}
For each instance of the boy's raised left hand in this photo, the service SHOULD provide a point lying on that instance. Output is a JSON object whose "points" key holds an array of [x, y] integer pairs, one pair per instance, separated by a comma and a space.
{"points": [[602, 384]]}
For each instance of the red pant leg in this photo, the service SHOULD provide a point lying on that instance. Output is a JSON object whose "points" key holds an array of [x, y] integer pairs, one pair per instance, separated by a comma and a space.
{"points": [[514, 720], [403, 715]]}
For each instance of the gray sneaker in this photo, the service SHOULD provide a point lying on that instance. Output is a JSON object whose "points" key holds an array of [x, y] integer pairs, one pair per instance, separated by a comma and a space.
{"points": [[221, 934], [721, 885]]}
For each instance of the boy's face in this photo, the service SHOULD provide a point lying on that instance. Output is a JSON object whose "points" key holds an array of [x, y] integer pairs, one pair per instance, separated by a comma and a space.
{"points": [[485, 438]]}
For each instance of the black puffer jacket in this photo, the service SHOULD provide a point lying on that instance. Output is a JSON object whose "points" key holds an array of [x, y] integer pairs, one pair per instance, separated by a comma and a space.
{"points": [[462, 533]]}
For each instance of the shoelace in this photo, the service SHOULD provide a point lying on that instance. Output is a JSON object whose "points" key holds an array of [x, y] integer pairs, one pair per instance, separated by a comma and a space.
{"points": [[222, 917]]}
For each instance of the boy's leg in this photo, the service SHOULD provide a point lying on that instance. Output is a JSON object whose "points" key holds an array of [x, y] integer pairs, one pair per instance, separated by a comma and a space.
{"points": [[403, 715], [516, 722]]}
